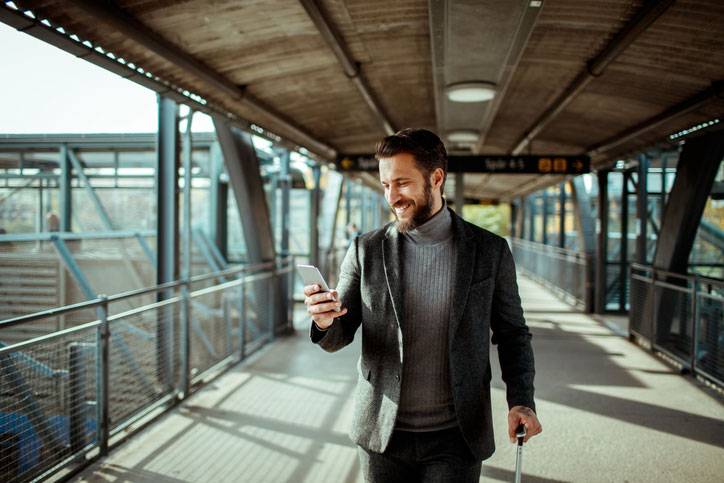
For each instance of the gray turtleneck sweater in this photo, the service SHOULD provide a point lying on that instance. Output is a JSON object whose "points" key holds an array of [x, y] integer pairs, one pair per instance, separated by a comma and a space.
{"points": [[426, 402]]}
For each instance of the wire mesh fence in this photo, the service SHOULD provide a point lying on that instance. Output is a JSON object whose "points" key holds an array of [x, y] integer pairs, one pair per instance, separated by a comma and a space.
{"points": [[681, 316], [564, 271], [47, 393], [64, 394]]}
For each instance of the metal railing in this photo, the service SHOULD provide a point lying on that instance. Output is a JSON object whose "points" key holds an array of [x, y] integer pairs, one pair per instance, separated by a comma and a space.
{"points": [[681, 316], [563, 271], [66, 396]]}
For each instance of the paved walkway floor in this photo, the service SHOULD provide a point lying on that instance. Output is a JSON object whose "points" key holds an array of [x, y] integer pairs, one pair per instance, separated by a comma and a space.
{"points": [[610, 412]]}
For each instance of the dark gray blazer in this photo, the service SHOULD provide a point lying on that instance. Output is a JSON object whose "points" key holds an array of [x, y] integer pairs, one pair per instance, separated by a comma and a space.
{"points": [[484, 297]]}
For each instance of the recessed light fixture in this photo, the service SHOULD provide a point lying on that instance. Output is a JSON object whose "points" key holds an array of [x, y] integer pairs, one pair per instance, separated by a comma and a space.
{"points": [[477, 91], [463, 136]]}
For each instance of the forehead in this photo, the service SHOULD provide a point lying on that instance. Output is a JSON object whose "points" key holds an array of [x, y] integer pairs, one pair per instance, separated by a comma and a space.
{"points": [[399, 166]]}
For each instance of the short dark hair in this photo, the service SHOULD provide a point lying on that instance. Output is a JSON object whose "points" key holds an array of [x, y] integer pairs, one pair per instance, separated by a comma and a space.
{"points": [[425, 146]]}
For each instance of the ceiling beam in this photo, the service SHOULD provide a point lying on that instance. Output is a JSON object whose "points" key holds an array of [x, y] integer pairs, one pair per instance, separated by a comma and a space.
{"points": [[351, 68], [596, 67], [117, 18], [714, 92]]}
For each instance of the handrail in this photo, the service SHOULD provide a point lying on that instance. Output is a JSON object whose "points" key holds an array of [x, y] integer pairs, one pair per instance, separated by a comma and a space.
{"points": [[90, 304], [564, 251], [49, 236], [691, 277]]}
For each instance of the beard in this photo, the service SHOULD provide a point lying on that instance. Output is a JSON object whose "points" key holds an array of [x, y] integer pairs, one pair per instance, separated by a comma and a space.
{"points": [[422, 207]]}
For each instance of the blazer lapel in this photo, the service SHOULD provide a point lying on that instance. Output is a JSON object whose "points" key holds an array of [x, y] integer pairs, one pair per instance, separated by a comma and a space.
{"points": [[463, 276], [392, 261]]}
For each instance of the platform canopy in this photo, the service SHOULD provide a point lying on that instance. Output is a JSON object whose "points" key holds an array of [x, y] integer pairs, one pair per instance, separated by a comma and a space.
{"points": [[599, 78]]}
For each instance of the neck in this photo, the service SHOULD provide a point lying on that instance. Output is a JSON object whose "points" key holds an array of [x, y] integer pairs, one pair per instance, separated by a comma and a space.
{"points": [[436, 229]]}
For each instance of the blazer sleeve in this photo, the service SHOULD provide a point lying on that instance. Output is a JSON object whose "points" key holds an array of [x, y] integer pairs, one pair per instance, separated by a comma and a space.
{"points": [[511, 334], [341, 332]]}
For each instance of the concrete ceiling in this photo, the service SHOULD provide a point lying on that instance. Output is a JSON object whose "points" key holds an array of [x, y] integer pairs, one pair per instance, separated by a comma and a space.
{"points": [[604, 78]]}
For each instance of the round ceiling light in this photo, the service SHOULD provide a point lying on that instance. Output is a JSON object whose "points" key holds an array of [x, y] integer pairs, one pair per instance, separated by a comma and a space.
{"points": [[478, 91], [463, 136]]}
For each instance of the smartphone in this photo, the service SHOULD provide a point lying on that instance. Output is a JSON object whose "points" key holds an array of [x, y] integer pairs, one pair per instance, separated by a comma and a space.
{"points": [[311, 276]]}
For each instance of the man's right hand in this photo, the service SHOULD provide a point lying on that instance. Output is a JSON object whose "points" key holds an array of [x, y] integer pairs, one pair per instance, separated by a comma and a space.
{"points": [[321, 305]]}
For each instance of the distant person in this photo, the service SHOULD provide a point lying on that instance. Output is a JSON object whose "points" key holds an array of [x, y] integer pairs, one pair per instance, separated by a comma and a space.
{"points": [[52, 222], [427, 289], [8, 245]]}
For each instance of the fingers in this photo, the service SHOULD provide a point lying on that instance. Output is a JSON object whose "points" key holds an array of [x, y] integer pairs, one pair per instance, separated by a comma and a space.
{"points": [[321, 306], [525, 416], [316, 298], [326, 319], [311, 289]]}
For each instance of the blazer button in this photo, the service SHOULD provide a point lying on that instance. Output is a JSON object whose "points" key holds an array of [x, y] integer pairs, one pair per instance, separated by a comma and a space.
{"points": [[397, 377]]}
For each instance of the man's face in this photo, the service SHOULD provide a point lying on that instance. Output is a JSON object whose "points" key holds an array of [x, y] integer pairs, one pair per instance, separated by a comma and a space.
{"points": [[408, 193]]}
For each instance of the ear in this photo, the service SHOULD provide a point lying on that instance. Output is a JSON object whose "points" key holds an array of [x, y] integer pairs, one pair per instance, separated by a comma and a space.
{"points": [[437, 177]]}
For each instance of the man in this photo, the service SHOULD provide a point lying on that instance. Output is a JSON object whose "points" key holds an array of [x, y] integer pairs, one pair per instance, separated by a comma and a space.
{"points": [[427, 289]]}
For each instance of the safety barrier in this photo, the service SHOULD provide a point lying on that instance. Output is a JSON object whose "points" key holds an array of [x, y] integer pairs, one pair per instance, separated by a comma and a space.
{"points": [[563, 271], [69, 395], [681, 316]]}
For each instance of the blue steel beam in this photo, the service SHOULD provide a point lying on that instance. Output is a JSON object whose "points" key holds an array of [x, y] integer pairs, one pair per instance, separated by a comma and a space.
{"points": [[248, 188], [78, 166]]}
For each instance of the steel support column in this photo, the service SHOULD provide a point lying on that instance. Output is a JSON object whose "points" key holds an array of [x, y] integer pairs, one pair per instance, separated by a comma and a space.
{"points": [[586, 235], [601, 243], [562, 216], [167, 225], [544, 216], [186, 261], [642, 214], [66, 192], [531, 217], [623, 260], [330, 208], [285, 184], [218, 202], [459, 192], [314, 221], [520, 217], [348, 199]]}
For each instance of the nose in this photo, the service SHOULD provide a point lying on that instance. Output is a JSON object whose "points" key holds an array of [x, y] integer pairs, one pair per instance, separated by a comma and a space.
{"points": [[391, 195]]}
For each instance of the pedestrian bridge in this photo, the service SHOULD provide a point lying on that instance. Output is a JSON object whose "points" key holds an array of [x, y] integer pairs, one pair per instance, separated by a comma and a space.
{"points": [[150, 322], [610, 410]]}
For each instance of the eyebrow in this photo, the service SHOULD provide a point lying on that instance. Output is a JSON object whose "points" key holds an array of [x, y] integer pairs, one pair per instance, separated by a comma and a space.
{"points": [[399, 178]]}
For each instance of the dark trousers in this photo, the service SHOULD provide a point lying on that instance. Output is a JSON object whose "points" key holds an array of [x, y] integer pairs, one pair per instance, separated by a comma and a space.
{"points": [[427, 457]]}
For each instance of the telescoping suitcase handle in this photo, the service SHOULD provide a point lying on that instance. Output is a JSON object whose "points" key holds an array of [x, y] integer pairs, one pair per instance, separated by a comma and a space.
{"points": [[520, 434]]}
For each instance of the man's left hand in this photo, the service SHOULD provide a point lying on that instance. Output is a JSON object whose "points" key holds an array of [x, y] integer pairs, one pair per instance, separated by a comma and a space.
{"points": [[525, 416]]}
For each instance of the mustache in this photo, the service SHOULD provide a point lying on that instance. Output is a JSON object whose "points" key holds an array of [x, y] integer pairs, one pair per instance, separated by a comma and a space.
{"points": [[402, 202]]}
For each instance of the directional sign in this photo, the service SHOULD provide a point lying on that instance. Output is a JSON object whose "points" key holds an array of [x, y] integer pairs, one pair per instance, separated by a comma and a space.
{"points": [[528, 164], [520, 164]]}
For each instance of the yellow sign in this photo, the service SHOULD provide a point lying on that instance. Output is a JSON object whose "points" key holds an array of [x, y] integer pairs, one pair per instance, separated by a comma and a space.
{"points": [[545, 165]]}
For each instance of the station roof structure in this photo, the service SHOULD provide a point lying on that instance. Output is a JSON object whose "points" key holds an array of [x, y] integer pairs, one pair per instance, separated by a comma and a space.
{"points": [[596, 78]]}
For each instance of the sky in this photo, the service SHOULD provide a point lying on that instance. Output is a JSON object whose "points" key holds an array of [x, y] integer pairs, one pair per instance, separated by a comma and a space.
{"points": [[47, 90]]}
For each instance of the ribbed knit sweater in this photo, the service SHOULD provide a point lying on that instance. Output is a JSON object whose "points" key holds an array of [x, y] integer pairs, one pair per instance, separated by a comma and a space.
{"points": [[426, 402]]}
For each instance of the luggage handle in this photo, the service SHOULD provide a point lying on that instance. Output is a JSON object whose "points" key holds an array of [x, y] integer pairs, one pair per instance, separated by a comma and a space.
{"points": [[520, 434]]}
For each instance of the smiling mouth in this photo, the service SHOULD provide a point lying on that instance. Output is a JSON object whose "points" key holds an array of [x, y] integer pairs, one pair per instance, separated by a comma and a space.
{"points": [[401, 208]]}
